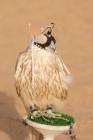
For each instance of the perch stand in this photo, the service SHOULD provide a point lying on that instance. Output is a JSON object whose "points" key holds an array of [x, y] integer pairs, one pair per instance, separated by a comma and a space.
{"points": [[48, 132]]}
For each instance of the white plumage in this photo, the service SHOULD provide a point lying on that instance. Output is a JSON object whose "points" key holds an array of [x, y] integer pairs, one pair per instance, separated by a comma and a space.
{"points": [[50, 81]]}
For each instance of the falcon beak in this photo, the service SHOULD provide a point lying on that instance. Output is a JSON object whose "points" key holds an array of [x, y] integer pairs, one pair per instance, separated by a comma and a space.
{"points": [[52, 46]]}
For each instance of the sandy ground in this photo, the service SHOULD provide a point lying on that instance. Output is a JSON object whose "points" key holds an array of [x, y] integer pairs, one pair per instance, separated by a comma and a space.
{"points": [[74, 35]]}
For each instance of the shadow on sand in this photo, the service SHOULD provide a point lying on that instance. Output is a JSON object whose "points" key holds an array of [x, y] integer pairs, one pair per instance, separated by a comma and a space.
{"points": [[10, 129]]}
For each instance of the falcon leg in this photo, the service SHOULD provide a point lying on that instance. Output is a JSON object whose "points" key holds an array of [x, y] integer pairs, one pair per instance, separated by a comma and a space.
{"points": [[34, 111], [45, 113], [51, 114]]}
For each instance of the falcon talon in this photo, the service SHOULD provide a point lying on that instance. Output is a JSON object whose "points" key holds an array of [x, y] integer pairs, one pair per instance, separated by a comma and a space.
{"points": [[32, 117], [51, 121]]}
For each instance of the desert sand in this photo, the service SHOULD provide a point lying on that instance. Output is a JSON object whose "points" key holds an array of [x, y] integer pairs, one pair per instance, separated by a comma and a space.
{"points": [[74, 35]]}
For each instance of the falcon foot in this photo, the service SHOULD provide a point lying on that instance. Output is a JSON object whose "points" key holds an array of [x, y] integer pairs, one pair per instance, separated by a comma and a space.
{"points": [[44, 114], [51, 114]]}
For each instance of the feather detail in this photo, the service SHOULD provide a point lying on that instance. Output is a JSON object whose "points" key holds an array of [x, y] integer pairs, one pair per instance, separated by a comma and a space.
{"points": [[50, 81]]}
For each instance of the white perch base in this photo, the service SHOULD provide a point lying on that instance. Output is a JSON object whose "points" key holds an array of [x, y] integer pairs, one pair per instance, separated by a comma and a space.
{"points": [[48, 132]]}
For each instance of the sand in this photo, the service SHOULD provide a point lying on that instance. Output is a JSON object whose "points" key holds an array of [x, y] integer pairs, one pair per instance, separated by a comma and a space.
{"points": [[74, 35]]}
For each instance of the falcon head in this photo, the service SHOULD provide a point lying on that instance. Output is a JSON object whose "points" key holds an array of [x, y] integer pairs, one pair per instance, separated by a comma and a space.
{"points": [[44, 40]]}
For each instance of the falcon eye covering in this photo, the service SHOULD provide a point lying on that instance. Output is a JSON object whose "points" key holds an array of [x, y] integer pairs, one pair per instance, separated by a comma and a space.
{"points": [[45, 40]]}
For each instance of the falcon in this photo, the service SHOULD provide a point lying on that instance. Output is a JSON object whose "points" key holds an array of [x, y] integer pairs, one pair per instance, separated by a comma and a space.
{"points": [[40, 75]]}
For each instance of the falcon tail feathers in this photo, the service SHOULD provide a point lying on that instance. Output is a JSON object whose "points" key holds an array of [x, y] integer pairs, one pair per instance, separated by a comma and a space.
{"points": [[69, 80]]}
